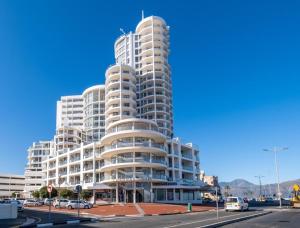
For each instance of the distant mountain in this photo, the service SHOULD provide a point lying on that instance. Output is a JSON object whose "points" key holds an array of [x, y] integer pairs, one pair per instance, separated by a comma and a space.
{"points": [[241, 187]]}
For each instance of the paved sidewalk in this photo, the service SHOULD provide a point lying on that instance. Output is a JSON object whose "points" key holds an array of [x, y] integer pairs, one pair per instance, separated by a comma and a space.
{"points": [[129, 209], [160, 209]]}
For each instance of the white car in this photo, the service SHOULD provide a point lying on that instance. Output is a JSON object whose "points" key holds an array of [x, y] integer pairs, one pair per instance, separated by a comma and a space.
{"points": [[60, 203], [31, 202], [72, 204], [236, 204]]}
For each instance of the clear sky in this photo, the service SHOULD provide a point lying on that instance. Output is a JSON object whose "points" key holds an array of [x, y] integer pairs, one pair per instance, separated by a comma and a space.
{"points": [[235, 69]]}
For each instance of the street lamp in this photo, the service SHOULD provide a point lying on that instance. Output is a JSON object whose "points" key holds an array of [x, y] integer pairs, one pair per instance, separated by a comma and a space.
{"points": [[259, 178], [276, 150], [59, 179]]}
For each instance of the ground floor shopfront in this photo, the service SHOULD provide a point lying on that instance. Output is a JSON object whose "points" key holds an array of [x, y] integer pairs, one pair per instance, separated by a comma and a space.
{"points": [[146, 192]]}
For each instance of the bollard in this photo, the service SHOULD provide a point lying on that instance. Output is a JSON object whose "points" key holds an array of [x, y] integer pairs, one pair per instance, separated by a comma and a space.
{"points": [[189, 207]]}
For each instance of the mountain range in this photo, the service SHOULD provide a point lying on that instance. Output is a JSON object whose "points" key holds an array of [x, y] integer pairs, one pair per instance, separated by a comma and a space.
{"points": [[241, 187]]}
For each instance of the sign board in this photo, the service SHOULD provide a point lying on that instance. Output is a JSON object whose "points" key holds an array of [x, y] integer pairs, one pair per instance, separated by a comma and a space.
{"points": [[78, 189], [49, 188]]}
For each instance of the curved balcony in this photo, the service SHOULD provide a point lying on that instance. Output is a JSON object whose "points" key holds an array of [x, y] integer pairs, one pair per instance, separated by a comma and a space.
{"points": [[133, 162], [134, 147], [136, 178]]}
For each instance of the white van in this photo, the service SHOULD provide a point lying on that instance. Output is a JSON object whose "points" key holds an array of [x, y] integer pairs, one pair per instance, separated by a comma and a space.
{"points": [[236, 204]]}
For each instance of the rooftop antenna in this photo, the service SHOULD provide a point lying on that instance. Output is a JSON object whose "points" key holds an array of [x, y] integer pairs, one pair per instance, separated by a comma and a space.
{"points": [[122, 30], [142, 14]]}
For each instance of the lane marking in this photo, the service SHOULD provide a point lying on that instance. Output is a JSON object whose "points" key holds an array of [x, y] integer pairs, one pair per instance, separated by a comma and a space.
{"points": [[248, 216], [204, 220]]}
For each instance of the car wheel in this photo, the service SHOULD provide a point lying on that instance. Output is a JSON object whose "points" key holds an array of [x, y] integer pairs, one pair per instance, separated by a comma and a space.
{"points": [[242, 208], [226, 210], [69, 207], [56, 206], [86, 207]]}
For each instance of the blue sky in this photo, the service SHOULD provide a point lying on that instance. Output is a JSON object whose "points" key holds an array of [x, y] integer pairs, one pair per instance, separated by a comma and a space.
{"points": [[235, 68]]}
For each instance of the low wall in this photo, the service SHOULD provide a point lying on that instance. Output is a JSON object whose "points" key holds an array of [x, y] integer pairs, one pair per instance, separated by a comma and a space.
{"points": [[8, 211]]}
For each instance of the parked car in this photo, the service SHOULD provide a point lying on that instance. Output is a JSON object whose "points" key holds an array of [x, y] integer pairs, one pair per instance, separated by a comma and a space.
{"points": [[19, 205], [31, 202], [72, 204], [21, 200], [48, 201], [60, 203], [236, 203]]}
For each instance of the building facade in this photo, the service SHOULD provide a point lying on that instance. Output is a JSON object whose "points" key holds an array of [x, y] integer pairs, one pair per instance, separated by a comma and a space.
{"points": [[126, 151], [34, 179], [11, 183], [69, 112], [93, 113]]}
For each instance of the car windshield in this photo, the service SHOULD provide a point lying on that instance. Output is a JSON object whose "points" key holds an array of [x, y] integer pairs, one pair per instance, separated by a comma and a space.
{"points": [[231, 200]]}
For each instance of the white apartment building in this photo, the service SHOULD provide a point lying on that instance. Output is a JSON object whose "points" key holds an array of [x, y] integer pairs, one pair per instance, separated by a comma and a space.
{"points": [[147, 51], [127, 152], [93, 113], [11, 183], [69, 112], [37, 152]]}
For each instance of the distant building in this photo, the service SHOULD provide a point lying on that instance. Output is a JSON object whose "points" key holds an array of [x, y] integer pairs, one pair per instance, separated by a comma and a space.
{"points": [[33, 170], [69, 112], [11, 183], [209, 180]]}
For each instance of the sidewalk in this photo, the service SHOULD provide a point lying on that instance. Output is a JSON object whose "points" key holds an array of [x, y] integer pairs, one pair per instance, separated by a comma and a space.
{"points": [[162, 209], [129, 209]]}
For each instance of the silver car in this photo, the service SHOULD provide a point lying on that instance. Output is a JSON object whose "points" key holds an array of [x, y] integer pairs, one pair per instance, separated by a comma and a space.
{"points": [[31, 202], [60, 203], [72, 204]]}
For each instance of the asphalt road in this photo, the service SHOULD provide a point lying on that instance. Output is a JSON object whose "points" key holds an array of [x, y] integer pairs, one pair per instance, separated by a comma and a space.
{"points": [[287, 218], [43, 216], [169, 221]]}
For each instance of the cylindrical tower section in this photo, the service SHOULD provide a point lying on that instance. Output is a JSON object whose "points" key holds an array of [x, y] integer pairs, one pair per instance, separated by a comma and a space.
{"points": [[124, 49], [153, 74], [133, 158], [120, 94], [94, 112]]}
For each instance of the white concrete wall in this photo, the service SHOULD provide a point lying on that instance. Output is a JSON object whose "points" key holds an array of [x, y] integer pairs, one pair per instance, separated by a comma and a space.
{"points": [[8, 211]]}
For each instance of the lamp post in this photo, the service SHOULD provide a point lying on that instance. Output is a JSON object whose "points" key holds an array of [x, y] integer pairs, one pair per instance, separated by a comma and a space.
{"points": [[59, 179], [259, 178], [275, 150]]}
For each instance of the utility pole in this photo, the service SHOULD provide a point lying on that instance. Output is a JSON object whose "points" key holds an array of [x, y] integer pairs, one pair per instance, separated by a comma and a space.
{"points": [[275, 150], [260, 189]]}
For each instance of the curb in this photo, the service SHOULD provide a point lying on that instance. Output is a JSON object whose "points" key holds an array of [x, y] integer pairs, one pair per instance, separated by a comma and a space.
{"points": [[226, 222], [76, 221]]}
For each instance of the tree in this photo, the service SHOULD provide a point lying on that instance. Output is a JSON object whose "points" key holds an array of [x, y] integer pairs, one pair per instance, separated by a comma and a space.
{"points": [[86, 194], [36, 194], [44, 193], [14, 194], [66, 193]]}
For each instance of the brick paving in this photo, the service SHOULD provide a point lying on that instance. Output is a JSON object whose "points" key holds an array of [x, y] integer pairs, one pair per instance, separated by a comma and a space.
{"points": [[130, 209], [156, 208]]}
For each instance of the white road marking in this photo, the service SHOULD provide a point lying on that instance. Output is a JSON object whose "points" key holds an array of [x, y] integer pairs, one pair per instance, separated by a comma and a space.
{"points": [[204, 220]]}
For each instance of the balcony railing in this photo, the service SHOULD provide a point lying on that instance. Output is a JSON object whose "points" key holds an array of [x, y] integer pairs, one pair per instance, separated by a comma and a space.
{"points": [[87, 155], [189, 168], [73, 159], [63, 173], [63, 162], [189, 156], [75, 182], [75, 170], [86, 168], [137, 144]]}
